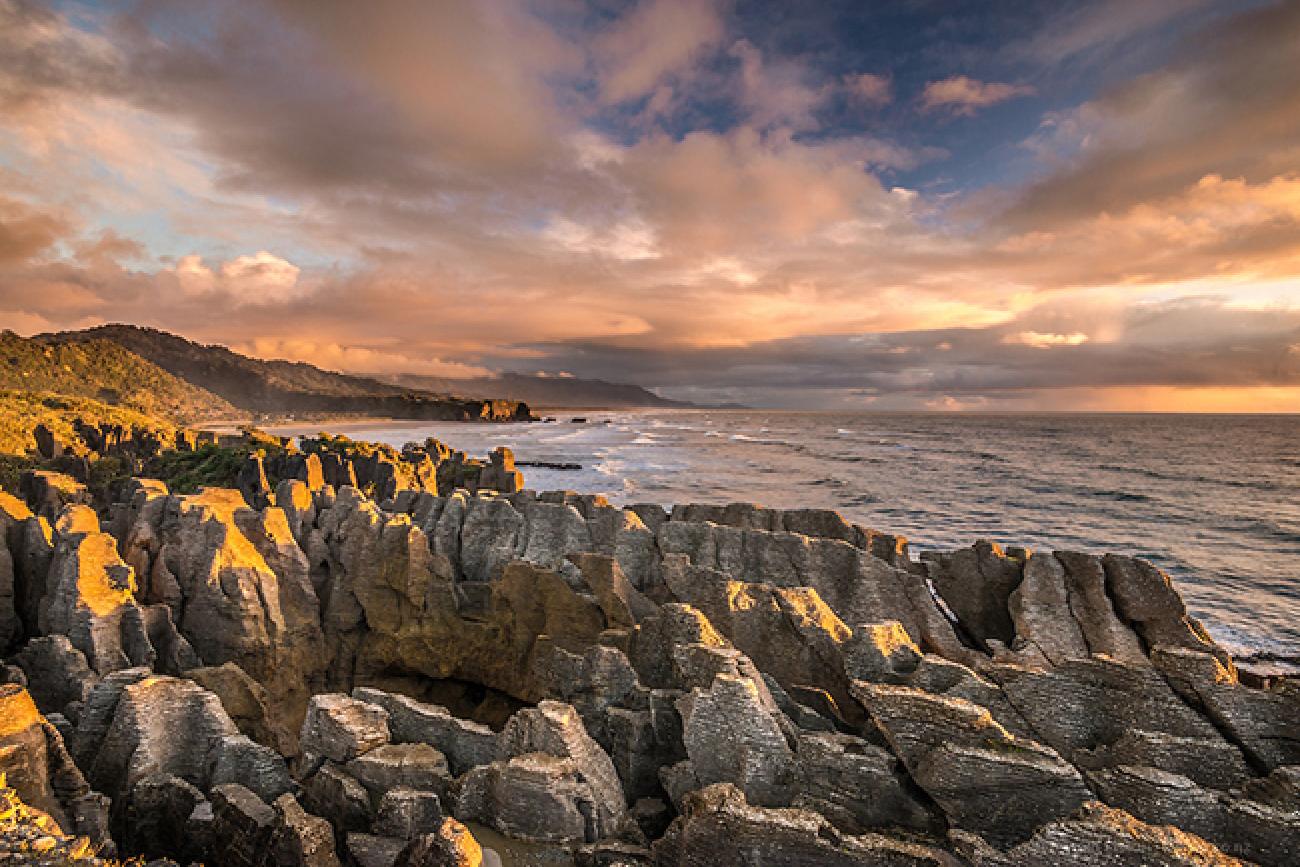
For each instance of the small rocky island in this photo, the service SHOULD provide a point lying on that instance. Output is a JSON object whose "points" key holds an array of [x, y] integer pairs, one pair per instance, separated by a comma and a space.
{"points": [[357, 655]]}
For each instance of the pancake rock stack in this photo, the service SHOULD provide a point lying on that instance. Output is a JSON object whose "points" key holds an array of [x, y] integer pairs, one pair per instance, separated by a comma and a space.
{"points": [[311, 677]]}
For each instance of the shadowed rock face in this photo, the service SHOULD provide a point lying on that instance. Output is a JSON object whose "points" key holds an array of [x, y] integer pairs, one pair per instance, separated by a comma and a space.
{"points": [[711, 685]]}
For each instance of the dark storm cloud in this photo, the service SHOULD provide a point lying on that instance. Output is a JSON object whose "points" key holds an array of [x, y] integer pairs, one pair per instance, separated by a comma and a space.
{"points": [[1188, 343]]}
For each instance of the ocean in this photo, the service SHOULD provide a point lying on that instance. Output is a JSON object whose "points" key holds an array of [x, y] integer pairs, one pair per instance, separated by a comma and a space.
{"points": [[1213, 500]]}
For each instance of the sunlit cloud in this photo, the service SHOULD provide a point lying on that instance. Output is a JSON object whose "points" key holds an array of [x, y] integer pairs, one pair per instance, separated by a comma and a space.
{"points": [[964, 95], [668, 192], [1040, 340]]}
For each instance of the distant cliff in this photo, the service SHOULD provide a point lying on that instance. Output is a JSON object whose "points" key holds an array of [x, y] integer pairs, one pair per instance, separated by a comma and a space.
{"points": [[544, 391], [279, 387]]}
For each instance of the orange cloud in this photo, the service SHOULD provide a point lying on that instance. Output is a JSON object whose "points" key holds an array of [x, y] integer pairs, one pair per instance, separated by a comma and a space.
{"points": [[965, 95]]}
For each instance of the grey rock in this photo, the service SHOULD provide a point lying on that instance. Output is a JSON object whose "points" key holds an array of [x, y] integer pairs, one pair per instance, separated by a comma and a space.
{"points": [[984, 778], [369, 850], [57, 673], [408, 813], [242, 824], [341, 728], [406, 766], [730, 737], [335, 794], [1257, 832], [465, 744], [719, 829], [300, 839], [534, 797], [1098, 834], [857, 786], [239, 759]]}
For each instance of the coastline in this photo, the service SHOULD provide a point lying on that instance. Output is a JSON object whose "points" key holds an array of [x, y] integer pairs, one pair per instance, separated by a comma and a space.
{"points": [[659, 686]]}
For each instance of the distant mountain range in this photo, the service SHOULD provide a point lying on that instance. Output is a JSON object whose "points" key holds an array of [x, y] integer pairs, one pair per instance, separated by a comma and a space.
{"points": [[555, 392], [167, 375]]}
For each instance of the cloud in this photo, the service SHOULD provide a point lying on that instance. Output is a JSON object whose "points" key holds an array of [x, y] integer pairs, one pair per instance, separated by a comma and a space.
{"points": [[655, 41], [357, 359], [964, 95], [777, 94], [1101, 27], [1225, 105], [1039, 340], [41, 57], [665, 195], [257, 278], [869, 88], [1153, 348], [26, 231]]}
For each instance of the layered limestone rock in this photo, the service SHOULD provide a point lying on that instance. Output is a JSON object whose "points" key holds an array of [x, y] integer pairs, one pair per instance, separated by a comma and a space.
{"points": [[36, 766], [331, 677], [554, 783], [719, 829], [246, 596]]}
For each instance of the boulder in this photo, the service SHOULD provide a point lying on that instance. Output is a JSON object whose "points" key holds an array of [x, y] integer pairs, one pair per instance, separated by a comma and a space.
{"points": [[247, 703], [534, 797], [500, 473], [450, 845], [299, 839], [242, 825], [401, 766], [171, 726], [57, 673], [335, 794], [408, 813], [1097, 834], [158, 809], [341, 728], [984, 778], [89, 598], [34, 762], [731, 737], [464, 743], [556, 729], [719, 829], [248, 597]]}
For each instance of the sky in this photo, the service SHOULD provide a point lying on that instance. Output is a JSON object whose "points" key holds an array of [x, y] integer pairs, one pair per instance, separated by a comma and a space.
{"points": [[846, 205]]}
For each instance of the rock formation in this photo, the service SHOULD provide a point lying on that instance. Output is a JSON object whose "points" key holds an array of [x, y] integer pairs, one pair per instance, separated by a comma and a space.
{"points": [[307, 675]]}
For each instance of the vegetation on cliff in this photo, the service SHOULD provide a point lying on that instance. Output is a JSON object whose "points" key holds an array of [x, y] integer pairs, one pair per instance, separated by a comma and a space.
{"points": [[279, 387], [106, 373]]}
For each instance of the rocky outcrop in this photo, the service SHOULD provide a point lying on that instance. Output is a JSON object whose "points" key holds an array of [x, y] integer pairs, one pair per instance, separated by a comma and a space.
{"points": [[553, 784], [719, 829], [38, 769], [984, 778], [327, 676], [1098, 834], [246, 594]]}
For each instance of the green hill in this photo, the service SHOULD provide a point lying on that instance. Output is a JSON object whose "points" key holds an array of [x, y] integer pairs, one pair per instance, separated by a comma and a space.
{"points": [[281, 387], [22, 411], [107, 373]]}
